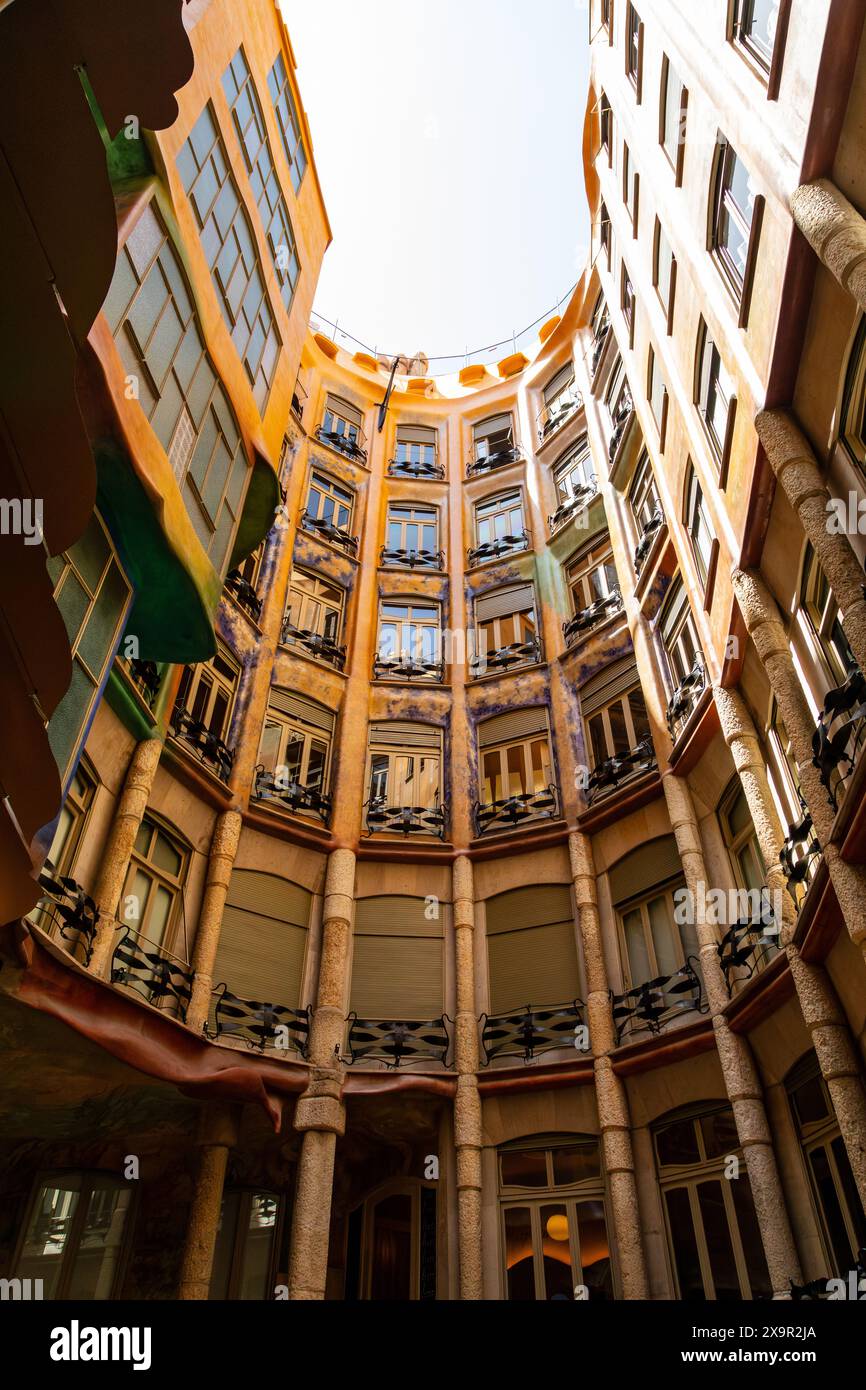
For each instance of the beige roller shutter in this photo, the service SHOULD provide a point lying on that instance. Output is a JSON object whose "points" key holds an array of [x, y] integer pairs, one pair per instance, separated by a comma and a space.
{"points": [[416, 434], [286, 702], [529, 907], [263, 938], [518, 723], [516, 599], [395, 917], [398, 960], [405, 735], [646, 866], [564, 377], [344, 408], [494, 424], [531, 950], [614, 680]]}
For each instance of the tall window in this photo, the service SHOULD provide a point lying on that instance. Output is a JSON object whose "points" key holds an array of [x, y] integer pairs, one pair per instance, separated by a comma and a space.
{"points": [[679, 634], [657, 392], [515, 767], [329, 502], [410, 634], [230, 250], [715, 398], [504, 618], [498, 518], [554, 1229], [153, 893], [287, 120], [207, 692], [618, 726], [156, 332], [818, 603], [755, 27], [703, 541], [574, 473], [416, 447], [713, 1231], [71, 822], [342, 427], [592, 575], [655, 945], [628, 301], [296, 742], [643, 495], [315, 606], [834, 1191], [244, 1262], [605, 13], [606, 241], [634, 48], [404, 775], [664, 273], [672, 119], [412, 528], [75, 1235], [256, 149], [560, 401], [606, 121], [741, 840], [493, 439], [630, 186], [733, 216], [853, 433]]}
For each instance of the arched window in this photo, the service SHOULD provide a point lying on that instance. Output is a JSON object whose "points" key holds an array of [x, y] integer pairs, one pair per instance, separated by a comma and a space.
{"points": [[854, 400]]}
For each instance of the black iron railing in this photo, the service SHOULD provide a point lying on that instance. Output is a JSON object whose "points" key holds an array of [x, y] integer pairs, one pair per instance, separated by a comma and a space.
{"points": [[838, 740], [406, 820], [145, 676], [684, 700], [622, 767], [416, 468], [488, 463], [152, 972], [259, 1025], [529, 1031], [513, 811], [504, 545], [747, 947], [649, 1006], [552, 417], [800, 855], [621, 422], [853, 1281], [395, 1042], [407, 668], [648, 535], [588, 618], [352, 447], [504, 658], [291, 795], [245, 594], [66, 905], [314, 643], [334, 534], [207, 745], [572, 506], [413, 559]]}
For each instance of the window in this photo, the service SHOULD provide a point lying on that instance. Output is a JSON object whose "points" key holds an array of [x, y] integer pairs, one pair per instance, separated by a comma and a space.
{"points": [[819, 605], [410, 637], [256, 149], [94, 597], [560, 401], [554, 1228], [643, 495], [519, 766], [756, 23], [330, 503], [715, 400], [505, 618], [295, 746], [834, 1191], [616, 389], [734, 217], [600, 319], [630, 186], [499, 519], [230, 250], [411, 528], [287, 120], [713, 1231], [606, 240], [741, 840], [657, 393], [592, 575], [493, 440], [244, 1262], [416, 449], [341, 428], [207, 692], [679, 634], [664, 274], [153, 893], [391, 1245], [628, 302], [854, 400], [405, 764], [618, 726], [605, 13], [634, 48], [656, 947], [606, 121], [672, 119], [75, 1234], [315, 607], [71, 822], [574, 473], [152, 317], [703, 542]]}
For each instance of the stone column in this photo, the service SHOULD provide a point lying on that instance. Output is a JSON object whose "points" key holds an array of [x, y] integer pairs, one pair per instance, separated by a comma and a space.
{"points": [[610, 1092], [764, 625], [822, 1012], [218, 1132], [740, 1074], [223, 850], [795, 466], [467, 1106], [836, 232], [128, 815], [320, 1113]]}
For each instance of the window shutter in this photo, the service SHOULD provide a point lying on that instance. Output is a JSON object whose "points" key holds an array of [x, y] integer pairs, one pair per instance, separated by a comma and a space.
{"points": [[614, 680], [519, 723], [284, 702], [495, 424], [405, 735], [646, 866], [397, 979], [415, 434], [395, 917], [529, 907], [263, 938], [502, 602], [564, 377], [345, 408], [536, 966]]}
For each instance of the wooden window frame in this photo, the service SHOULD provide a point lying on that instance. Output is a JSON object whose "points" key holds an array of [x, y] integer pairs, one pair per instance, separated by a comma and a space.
{"points": [[527, 742], [722, 201], [640, 903], [667, 305], [596, 558], [90, 1181], [246, 1196], [218, 682], [412, 603], [768, 70], [304, 596], [495, 501], [623, 701], [720, 448], [634, 37], [695, 510], [340, 493], [174, 884], [392, 752], [677, 163], [294, 730]]}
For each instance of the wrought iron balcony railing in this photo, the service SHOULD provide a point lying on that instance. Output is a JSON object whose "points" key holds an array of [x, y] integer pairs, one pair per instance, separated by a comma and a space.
{"points": [[416, 468], [838, 740], [800, 855], [513, 811], [527, 1032], [621, 422], [145, 676], [649, 1006], [352, 446], [153, 972], [504, 545], [583, 622], [573, 506], [413, 559], [258, 1025], [314, 643], [648, 535], [292, 796], [819, 1289], [66, 905], [245, 594], [393, 1042], [747, 947], [685, 698], [334, 534], [406, 820], [505, 658], [552, 416], [207, 745], [488, 463], [407, 668], [622, 767]]}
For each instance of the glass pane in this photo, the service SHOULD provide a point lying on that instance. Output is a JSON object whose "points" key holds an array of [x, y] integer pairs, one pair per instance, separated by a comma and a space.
{"points": [[810, 1102], [157, 917], [294, 756], [391, 1278], [225, 1244], [677, 1143], [718, 1238], [316, 766], [856, 1214], [594, 1248], [575, 1165], [48, 1233], [165, 856], [719, 1133], [428, 782], [559, 1278], [378, 776], [664, 941], [618, 729], [540, 759], [492, 777], [257, 1248], [750, 1238], [598, 740], [640, 966], [516, 760], [100, 1244], [685, 1246], [269, 749], [834, 1221], [520, 1273], [523, 1168]]}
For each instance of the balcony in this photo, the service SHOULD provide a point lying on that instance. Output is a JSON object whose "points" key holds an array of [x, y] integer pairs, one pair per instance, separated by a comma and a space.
{"points": [[583, 622], [610, 775], [290, 795], [800, 856], [499, 458], [685, 698], [66, 906], [507, 658], [330, 533], [748, 946], [146, 679], [416, 468], [503, 545], [245, 594], [406, 820], [207, 746], [838, 740], [151, 971], [572, 506], [532, 1030], [621, 422], [351, 441], [514, 811], [314, 643], [647, 536], [258, 1025], [407, 668], [299, 399], [382, 1040], [413, 559], [552, 417], [657, 1002]]}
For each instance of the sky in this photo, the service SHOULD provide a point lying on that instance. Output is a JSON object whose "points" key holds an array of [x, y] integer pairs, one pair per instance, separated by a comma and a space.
{"points": [[447, 135]]}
